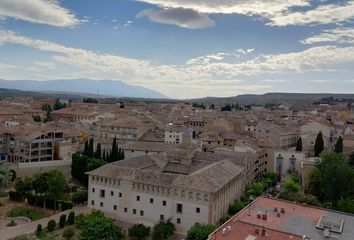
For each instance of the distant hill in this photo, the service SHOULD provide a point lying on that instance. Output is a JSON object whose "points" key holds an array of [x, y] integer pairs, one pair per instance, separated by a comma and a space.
{"points": [[104, 87], [278, 98], [6, 92]]}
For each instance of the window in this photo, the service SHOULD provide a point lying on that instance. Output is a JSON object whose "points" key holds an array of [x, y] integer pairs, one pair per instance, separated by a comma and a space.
{"points": [[138, 198], [164, 203], [141, 213], [134, 211], [125, 209], [197, 210], [102, 193], [112, 193], [178, 220], [101, 204], [151, 200], [179, 208], [93, 189], [120, 194], [92, 202], [162, 217], [115, 207]]}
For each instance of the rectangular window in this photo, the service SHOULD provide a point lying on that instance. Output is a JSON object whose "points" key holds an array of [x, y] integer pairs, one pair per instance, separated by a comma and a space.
{"points": [[151, 200], [112, 193], [115, 207], [92, 202], [164, 203], [93, 189], [102, 193], [197, 210], [101, 204], [141, 213], [138, 198], [120, 194], [125, 209], [162, 217], [134, 211], [179, 208], [178, 220]]}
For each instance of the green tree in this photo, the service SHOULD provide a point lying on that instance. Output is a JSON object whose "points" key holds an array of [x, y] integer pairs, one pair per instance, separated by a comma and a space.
{"points": [[62, 221], [272, 177], [86, 148], [5, 179], [71, 218], [37, 118], [236, 207], [57, 184], [51, 225], [139, 231], [299, 145], [90, 149], [98, 153], [338, 148], [200, 231], [69, 233], [295, 177], [291, 186], [351, 160], [58, 105], [257, 189], [163, 230], [332, 178], [319, 145], [346, 205], [40, 187], [23, 185], [96, 226]]}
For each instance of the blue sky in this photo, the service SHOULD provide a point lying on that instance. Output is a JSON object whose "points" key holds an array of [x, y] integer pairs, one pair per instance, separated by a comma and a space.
{"points": [[183, 48]]}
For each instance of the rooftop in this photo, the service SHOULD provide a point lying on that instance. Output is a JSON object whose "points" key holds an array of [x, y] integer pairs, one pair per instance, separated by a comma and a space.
{"points": [[286, 220]]}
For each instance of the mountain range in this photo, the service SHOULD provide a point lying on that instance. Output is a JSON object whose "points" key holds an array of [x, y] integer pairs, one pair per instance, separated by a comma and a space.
{"points": [[105, 88]]}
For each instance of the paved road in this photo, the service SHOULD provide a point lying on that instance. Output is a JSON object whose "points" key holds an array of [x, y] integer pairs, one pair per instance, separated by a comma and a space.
{"points": [[31, 227]]}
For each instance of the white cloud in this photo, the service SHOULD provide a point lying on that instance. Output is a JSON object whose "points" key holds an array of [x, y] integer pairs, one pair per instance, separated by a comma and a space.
{"points": [[209, 73], [38, 11], [323, 14], [320, 81], [186, 18], [276, 12], [338, 35]]}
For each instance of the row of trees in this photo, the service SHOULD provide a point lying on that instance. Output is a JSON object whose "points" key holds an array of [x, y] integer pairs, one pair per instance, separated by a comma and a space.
{"points": [[90, 159], [319, 145]]}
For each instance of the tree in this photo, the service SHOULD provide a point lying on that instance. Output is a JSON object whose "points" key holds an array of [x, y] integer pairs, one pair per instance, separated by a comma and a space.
{"points": [[332, 178], [5, 179], [257, 189], [40, 187], [96, 226], [236, 207], [39, 230], [319, 145], [299, 145], [346, 205], [163, 230], [273, 178], [139, 231], [69, 233], [23, 186], [51, 225], [71, 218], [98, 153], [200, 231], [86, 148], [37, 118], [338, 148], [58, 105], [57, 184], [62, 221], [291, 186], [90, 152], [351, 160]]}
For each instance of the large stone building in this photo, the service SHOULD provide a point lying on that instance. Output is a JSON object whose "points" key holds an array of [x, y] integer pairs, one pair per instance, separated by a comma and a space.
{"points": [[183, 187]]}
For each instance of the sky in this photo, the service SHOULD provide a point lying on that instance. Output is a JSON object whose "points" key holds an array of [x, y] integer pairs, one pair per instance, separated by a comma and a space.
{"points": [[183, 48]]}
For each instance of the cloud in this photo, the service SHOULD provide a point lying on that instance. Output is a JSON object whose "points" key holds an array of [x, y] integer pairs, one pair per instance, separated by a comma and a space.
{"points": [[275, 12], [337, 35], [323, 14], [38, 11], [220, 73], [320, 81], [186, 18]]}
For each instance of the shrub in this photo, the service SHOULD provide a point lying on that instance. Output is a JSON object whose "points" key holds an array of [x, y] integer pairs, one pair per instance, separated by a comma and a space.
{"points": [[79, 197], [51, 225], [39, 230], [65, 205], [200, 231], [11, 224], [139, 231], [163, 230], [62, 221], [68, 233], [25, 212], [71, 218]]}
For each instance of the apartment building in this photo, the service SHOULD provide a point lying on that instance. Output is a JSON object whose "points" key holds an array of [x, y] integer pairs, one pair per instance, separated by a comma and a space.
{"points": [[185, 188]]}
